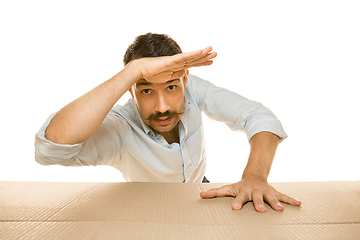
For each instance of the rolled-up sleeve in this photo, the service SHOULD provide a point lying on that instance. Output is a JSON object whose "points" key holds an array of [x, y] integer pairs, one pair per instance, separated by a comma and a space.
{"points": [[103, 148], [236, 111]]}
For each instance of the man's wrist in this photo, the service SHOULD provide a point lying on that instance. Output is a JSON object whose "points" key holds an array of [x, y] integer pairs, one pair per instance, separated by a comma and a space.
{"points": [[133, 69], [254, 177]]}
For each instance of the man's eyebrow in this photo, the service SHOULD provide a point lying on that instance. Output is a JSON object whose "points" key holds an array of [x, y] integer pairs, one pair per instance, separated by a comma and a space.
{"points": [[146, 83], [171, 81]]}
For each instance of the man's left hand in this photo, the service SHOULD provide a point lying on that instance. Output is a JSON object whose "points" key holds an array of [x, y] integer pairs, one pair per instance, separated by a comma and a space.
{"points": [[256, 191]]}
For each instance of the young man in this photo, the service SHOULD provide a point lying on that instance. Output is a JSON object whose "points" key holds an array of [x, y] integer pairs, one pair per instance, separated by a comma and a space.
{"points": [[157, 136]]}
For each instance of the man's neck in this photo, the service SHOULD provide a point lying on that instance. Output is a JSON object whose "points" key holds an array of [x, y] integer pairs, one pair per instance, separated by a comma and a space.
{"points": [[172, 136]]}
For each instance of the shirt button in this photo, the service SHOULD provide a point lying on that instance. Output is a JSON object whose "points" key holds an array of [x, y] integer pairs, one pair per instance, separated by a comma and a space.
{"points": [[161, 140]]}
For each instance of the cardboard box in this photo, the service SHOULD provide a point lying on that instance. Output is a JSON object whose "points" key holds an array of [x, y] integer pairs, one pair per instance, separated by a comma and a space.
{"points": [[40, 210]]}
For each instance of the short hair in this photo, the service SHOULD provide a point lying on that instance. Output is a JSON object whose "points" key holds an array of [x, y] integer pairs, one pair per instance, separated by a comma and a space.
{"points": [[151, 45]]}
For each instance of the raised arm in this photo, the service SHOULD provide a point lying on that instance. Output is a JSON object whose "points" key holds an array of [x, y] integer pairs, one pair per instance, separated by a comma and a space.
{"points": [[79, 120]]}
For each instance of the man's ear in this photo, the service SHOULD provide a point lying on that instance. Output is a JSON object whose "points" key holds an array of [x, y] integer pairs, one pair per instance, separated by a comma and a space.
{"points": [[185, 78], [131, 92]]}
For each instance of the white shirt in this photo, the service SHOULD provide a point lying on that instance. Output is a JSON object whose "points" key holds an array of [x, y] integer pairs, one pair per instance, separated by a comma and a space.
{"points": [[125, 142]]}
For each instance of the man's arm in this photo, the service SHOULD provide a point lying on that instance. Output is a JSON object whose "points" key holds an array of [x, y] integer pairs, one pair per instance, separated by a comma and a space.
{"points": [[253, 185], [79, 120]]}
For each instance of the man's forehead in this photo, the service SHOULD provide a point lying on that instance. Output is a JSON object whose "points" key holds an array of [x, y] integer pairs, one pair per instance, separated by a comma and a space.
{"points": [[143, 82]]}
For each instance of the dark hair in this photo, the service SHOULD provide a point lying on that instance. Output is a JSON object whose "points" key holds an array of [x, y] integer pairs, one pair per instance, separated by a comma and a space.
{"points": [[151, 45]]}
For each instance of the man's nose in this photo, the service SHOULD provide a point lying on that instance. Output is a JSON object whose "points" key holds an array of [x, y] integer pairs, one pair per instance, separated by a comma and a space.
{"points": [[162, 104]]}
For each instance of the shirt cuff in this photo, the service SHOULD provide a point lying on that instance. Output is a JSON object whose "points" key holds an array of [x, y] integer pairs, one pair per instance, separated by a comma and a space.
{"points": [[48, 152], [270, 125]]}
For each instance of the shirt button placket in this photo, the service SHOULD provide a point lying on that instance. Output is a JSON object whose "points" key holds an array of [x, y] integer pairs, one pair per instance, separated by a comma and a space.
{"points": [[186, 161]]}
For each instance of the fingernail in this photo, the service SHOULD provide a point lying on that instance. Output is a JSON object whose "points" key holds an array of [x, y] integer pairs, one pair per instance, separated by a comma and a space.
{"points": [[278, 205], [237, 206], [261, 207]]}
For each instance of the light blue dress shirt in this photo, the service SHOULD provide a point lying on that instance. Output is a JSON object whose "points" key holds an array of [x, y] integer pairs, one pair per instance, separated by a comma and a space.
{"points": [[125, 142]]}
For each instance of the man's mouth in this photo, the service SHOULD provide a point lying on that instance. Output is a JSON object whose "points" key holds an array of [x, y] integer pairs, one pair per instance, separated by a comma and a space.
{"points": [[163, 120]]}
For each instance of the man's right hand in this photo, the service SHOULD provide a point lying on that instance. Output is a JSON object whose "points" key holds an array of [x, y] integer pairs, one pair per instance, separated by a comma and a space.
{"points": [[162, 69]]}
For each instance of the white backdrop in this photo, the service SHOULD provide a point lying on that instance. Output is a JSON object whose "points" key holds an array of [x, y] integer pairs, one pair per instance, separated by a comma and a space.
{"points": [[299, 58]]}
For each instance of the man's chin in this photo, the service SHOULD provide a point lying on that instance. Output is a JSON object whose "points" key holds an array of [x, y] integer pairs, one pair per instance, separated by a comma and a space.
{"points": [[164, 128]]}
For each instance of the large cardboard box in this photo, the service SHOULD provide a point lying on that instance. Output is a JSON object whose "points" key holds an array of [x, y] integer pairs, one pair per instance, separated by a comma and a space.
{"points": [[39, 210]]}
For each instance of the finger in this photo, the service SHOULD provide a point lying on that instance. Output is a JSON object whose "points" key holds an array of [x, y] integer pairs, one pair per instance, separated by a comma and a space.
{"points": [[289, 200], [190, 56], [273, 202], [204, 59], [189, 60], [258, 200], [218, 192], [207, 63], [194, 56], [191, 65], [242, 198], [184, 65]]}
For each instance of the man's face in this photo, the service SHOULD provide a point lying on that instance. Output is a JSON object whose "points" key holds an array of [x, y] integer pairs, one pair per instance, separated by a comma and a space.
{"points": [[160, 105]]}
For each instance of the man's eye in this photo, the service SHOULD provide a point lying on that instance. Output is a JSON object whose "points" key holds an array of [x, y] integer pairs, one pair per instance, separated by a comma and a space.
{"points": [[172, 87], [146, 91]]}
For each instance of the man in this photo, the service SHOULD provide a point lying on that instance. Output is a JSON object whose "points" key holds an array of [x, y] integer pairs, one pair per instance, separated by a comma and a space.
{"points": [[157, 136]]}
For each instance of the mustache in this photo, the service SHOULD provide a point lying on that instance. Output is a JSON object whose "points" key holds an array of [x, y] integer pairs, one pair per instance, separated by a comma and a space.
{"points": [[169, 114]]}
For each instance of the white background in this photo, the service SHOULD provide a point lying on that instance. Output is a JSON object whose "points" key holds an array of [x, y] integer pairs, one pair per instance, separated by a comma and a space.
{"points": [[299, 58]]}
